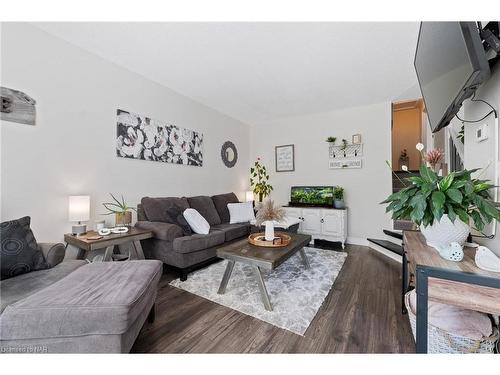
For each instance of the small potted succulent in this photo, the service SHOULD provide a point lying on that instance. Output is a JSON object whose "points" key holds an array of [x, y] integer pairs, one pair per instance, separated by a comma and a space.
{"points": [[122, 212], [338, 197], [331, 140], [444, 207]]}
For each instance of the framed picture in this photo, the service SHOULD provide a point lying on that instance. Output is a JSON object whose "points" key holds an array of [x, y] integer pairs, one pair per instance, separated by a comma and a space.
{"points": [[140, 137], [356, 139], [285, 158]]}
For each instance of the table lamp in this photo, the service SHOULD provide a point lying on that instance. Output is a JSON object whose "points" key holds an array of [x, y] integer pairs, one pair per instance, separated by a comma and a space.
{"points": [[249, 196], [79, 210]]}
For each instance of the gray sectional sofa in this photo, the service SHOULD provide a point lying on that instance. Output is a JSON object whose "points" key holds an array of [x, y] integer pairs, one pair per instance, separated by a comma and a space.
{"points": [[188, 252], [77, 307]]}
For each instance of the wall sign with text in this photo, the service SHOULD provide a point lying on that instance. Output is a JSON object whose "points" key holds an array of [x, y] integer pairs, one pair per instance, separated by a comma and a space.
{"points": [[285, 158]]}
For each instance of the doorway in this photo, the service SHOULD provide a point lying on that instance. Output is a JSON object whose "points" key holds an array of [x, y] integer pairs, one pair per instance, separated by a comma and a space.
{"points": [[407, 118], [408, 129]]}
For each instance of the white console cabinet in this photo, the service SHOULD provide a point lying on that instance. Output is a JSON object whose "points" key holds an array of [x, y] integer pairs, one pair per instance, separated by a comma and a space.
{"points": [[321, 223]]}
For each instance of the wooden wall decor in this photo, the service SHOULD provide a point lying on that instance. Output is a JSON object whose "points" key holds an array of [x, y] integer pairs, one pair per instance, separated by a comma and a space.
{"points": [[16, 106], [345, 156]]}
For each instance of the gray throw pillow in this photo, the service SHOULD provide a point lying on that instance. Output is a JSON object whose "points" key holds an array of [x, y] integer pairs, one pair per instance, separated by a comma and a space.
{"points": [[205, 206], [174, 215], [221, 201], [19, 252]]}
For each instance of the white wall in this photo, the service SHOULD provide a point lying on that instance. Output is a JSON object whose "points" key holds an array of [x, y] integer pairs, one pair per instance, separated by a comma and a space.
{"points": [[71, 150], [479, 155], [364, 188]]}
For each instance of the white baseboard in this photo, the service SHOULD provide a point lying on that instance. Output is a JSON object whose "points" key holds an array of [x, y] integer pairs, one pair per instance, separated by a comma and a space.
{"points": [[385, 252], [357, 241], [364, 242]]}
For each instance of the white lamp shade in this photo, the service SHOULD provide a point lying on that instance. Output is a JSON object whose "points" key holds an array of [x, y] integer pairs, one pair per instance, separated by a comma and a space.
{"points": [[249, 196], [79, 208]]}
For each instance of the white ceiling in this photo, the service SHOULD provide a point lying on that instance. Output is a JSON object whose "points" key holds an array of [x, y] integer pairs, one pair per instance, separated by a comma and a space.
{"points": [[258, 72]]}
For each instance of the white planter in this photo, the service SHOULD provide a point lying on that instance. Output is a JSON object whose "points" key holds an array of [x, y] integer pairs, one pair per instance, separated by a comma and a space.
{"points": [[444, 232], [269, 234]]}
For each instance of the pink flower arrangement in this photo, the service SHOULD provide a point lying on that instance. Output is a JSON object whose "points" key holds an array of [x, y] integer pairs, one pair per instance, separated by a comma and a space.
{"points": [[433, 156]]}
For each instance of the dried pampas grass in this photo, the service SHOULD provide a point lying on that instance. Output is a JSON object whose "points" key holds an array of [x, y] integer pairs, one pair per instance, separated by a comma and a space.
{"points": [[270, 212]]}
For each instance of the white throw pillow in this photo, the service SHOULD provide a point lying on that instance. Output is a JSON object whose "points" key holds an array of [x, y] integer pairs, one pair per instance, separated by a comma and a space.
{"points": [[197, 222], [240, 212]]}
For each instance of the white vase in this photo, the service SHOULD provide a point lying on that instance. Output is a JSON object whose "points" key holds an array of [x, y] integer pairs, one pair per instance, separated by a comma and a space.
{"points": [[444, 232], [269, 235]]}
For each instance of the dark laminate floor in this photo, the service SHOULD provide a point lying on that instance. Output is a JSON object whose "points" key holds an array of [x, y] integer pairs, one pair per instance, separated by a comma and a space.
{"points": [[361, 314]]}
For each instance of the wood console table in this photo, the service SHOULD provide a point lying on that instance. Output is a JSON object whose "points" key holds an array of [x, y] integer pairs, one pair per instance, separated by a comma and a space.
{"points": [[460, 284], [133, 237]]}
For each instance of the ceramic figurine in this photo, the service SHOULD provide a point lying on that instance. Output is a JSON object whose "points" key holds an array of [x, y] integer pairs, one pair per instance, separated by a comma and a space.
{"points": [[454, 252], [487, 260]]}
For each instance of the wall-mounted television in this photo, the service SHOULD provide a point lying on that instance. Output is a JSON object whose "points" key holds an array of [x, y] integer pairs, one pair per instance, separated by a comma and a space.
{"points": [[311, 196], [450, 62]]}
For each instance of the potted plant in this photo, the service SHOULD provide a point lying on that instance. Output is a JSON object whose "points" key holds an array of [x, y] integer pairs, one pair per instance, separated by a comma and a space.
{"points": [[404, 159], [338, 197], [259, 180], [344, 144], [461, 134], [122, 212], [267, 215], [331, 140], [443, 207]]}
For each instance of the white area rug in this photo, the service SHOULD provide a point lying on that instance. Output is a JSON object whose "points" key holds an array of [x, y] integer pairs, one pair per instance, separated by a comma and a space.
{"points": [[296, 293]]}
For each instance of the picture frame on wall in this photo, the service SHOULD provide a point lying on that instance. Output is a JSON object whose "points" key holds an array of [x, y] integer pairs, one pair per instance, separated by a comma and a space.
{"points": [[285, 158], [356, 139]]}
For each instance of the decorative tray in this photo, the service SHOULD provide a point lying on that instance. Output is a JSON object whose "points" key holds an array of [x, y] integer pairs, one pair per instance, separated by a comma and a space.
{"points": [[280, 240]]}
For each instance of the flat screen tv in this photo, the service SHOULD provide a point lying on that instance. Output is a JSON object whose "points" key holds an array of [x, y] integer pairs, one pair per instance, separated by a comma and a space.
{"points": [[450, 63], [312, 196]]}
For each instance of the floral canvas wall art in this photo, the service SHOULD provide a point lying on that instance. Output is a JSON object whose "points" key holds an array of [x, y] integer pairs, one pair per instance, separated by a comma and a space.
{"points": [[140, 137]]}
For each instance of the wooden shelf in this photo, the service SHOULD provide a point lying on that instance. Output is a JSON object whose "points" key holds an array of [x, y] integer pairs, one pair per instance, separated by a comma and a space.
{"points": [[468, 296]]}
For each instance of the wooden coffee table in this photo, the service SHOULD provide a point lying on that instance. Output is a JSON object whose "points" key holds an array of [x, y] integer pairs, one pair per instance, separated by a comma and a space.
{"points": [[261, 258]]}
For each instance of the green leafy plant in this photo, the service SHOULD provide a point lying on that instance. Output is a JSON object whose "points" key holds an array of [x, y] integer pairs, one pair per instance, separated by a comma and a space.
{"points": [[344, 144], [259, 180], [117, 207], [312, 195], [331, 140], [338, 193], [428, 197]]}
